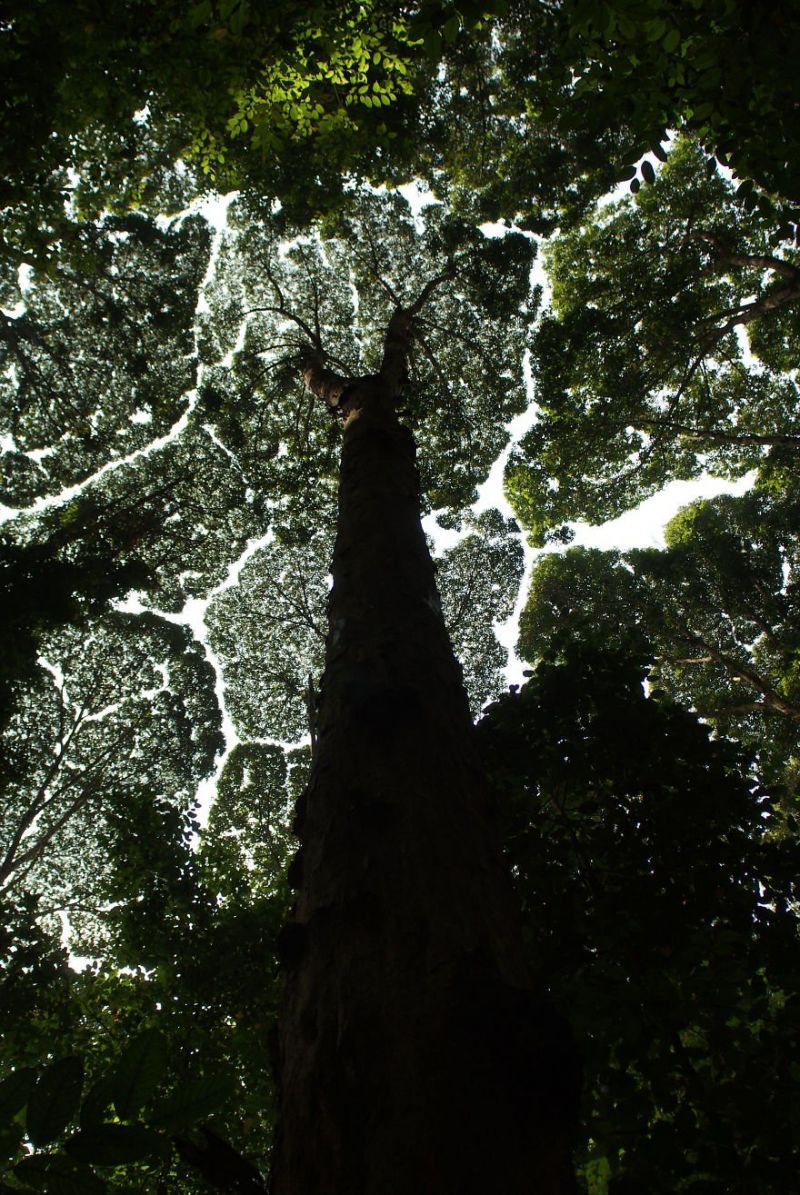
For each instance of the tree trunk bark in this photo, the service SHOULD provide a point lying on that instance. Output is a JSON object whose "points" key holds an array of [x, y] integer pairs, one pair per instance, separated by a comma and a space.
{"points": [[415, 1056]]}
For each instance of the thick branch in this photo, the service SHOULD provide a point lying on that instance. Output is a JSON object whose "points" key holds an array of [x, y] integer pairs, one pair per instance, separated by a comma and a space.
{"points": [[39, 801], [427, 291], [399, 335], [396, 345], [769, 302], [324, 383], [733, 711], [745, 439], [289, 315], [748, 312], [748, 676], [748, 260], [333, 387]]}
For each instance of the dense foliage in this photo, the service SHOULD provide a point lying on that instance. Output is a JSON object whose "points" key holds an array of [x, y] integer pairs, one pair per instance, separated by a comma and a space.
{"points": [[169, 488], [207, 486], [669, 349], [714, 615], [659, 900]]}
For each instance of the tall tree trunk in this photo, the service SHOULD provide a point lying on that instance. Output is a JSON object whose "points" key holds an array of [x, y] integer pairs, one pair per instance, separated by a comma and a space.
{"points": [[415, 1057]]}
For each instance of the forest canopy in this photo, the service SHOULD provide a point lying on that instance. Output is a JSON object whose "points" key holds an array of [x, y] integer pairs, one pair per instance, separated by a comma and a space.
{"points": [[206, 245]]}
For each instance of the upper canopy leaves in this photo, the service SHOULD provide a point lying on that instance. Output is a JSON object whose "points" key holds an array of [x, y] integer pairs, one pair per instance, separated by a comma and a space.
{"points": [[108, 743], [98, 357], [641, 373], [715, 616], [334, 298]]}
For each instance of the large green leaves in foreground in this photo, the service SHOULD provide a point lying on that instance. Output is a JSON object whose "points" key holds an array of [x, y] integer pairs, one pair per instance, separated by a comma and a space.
{"points": [[659, 906], [289, 98], [640, 366], [527, 108]]}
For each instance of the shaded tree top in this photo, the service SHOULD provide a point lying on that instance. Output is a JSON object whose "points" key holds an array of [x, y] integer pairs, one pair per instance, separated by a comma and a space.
{"points": [[468, 298], [714, 616], [643, 859]]}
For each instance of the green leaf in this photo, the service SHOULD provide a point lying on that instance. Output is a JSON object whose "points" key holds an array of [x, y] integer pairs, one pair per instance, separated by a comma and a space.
{"points": [[10, 1141], [655, 29], [96, 1102], [648, 172], [54, 1099], [671, 41], [450, 29], [57, 1174], [116, 1144], [138, 1072], [432, 45], [15, 1090], [194, 1101], [199, 14]]}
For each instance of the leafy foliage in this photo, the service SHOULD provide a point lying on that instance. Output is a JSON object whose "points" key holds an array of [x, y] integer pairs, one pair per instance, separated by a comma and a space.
{"points": [[113, 716], [714, 615], [336, 295], [692, 65], [478, 580], [660, 908], [75, 1137], [269, 634], [641, 376], [156, 435], [110, 743], [247, 842], [288, 99], [114, 318]]}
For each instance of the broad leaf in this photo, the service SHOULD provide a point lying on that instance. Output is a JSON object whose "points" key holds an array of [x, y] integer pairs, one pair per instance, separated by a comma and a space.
{"points": [[11, 1141], [96, 1102], [138, 1072], [56, 1174], [54, 1100], [194, 1101], [116, 1144], [15, 1090]]}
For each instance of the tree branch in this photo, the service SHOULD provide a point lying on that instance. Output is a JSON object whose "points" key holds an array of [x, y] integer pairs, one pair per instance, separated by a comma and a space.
{"points": [[323, 382], [746, 439], [742, 673], [399, 335], [747, 260]]}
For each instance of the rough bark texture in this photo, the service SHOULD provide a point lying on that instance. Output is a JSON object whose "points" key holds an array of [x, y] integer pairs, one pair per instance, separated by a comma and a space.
{"points": [[414, 1055]]}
